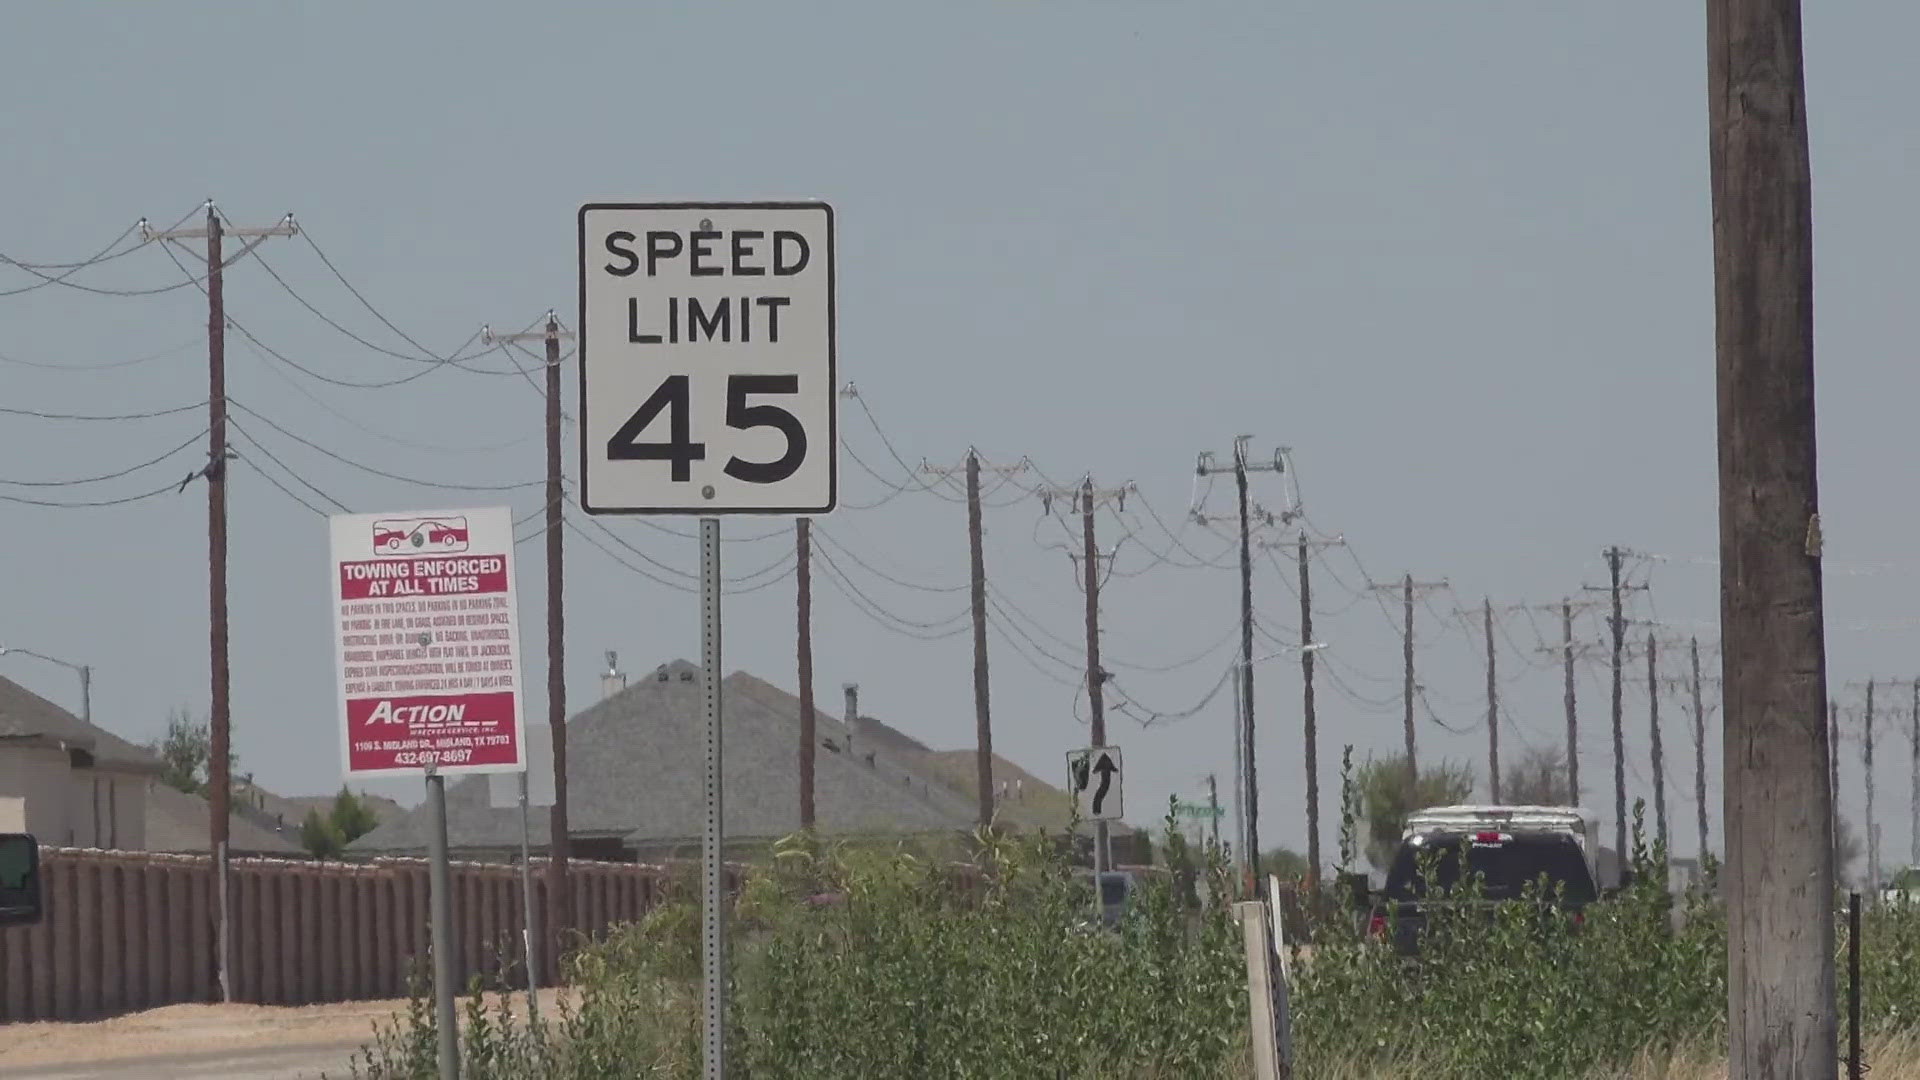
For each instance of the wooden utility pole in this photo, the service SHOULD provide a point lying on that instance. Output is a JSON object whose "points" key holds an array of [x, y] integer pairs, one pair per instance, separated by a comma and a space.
{"points": [[1617, 623], [1493, 707], [1312, 744], [809, 736], [1866, 754], [1657, 752], [1408, 588], [977, 563], [1573, 715], [1833, 780], [1241, 467], [982, 713], [1096, 677], [1618, 626], [1699, 748], [1780, 985], [220, 713], [1568, 650], [559, 843]]}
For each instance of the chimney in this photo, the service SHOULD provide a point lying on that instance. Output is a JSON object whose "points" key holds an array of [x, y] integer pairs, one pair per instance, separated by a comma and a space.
{"points": [[612, 680]]}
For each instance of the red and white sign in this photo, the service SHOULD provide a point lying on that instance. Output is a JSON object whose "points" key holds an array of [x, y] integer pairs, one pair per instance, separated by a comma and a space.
{"points": [[427, 642]]}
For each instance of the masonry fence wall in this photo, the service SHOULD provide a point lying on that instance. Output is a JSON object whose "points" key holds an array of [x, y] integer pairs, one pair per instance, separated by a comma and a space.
{"points": [[130, 930]]}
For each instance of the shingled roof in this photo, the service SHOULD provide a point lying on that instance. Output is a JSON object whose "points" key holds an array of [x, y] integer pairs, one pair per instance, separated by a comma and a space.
{"points": [[27, 717], [635, 763]]}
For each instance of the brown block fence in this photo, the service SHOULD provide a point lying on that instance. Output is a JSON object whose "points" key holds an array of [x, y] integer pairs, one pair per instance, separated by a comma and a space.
{"points": [[126, 931]]}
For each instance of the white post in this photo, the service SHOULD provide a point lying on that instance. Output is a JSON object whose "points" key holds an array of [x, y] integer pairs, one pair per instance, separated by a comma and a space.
{"points": [[1260, 1013]]}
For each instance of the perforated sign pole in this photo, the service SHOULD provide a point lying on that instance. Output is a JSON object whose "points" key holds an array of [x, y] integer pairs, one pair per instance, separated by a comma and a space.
{"points": [[707, 342], [713, 926]]}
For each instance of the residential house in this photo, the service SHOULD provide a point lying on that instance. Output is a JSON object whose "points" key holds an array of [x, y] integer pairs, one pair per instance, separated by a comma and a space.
{"points": [[79, 785], [635, 768]]}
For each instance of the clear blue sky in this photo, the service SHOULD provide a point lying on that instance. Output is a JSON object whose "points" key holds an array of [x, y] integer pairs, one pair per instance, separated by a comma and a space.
{"points": [[1456, 256]]}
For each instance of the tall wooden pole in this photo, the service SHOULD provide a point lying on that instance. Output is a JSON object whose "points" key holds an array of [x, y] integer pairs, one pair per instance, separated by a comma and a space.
{"points": [[1780, 956], [559, 907], [1493, 707], [1312, 729], [1658, 753], [1866, 768], [1406, 648], [220, 722], [982, 708], [1573, 716], [1618, 623], [1699, 749], [1096, 678]]}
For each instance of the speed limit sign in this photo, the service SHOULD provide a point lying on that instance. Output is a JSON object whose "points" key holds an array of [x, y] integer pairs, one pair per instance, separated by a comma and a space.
{"points": [[707, 358]]}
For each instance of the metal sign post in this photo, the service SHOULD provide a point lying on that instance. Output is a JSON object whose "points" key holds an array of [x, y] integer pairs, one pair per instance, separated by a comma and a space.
{"points": [[529, 949], [440, 909], [713, 926], [707, 387]]}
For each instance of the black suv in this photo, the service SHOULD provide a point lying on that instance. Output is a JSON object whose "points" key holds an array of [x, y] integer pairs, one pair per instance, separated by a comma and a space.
{"points": [[1506, 860]]}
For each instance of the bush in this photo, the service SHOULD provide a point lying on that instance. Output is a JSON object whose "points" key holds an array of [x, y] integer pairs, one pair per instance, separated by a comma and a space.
{"points": [[864, 963]]}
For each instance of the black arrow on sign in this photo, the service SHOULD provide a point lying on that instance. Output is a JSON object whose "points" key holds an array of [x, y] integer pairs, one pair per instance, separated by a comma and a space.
{"points": [[1106, 768]]}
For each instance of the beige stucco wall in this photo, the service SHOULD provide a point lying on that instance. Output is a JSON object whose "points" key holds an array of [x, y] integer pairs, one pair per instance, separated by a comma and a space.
{"points": [[75, 807], [39, 775]]}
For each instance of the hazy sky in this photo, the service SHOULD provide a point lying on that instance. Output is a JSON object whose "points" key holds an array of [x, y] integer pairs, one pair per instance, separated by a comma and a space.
{"points": [[1456, 256]]}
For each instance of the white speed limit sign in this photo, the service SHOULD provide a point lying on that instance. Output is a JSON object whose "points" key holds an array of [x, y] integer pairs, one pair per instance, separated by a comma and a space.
{"points": [[707, 358]]}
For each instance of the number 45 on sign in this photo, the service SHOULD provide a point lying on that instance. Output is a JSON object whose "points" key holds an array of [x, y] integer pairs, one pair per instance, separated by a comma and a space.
{"points": [[1093, 779]]}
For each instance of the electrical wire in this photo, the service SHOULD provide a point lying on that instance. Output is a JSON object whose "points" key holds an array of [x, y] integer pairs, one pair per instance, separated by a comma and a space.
{"points": [[104, 255], [826, 559], [882, 574], [1048, 673], [453, 359], [310, 444], [879, 615], [268, 365], [304, 482], [150, 462], [90, 504], [384, 321], [284, 489], [39, 415], [108, 366]]}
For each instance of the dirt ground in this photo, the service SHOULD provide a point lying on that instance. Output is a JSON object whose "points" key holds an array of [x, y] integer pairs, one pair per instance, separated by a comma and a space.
{"points": [[205, 1040]]}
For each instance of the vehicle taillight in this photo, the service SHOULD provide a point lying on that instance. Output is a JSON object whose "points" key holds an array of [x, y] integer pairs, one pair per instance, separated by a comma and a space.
{"points": [[1377, 926]]}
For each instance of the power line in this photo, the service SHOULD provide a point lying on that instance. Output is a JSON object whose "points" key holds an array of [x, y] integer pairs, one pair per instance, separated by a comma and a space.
{"points": [[39, 415], [107, 366], [284, 489], [255, 443], [410, 444], [108, 476], [448, 485], [89, 504]]}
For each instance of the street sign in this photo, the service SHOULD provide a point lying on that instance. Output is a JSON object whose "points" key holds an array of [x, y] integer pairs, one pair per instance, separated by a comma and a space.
{"points": [[1198, 810], [1093, 779], [707, 358], [427, 642]]}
